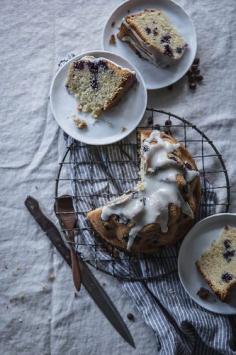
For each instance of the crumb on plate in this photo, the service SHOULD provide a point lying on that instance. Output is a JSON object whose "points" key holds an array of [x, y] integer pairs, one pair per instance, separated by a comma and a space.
{"points": [[112, 39], [81, 124]]}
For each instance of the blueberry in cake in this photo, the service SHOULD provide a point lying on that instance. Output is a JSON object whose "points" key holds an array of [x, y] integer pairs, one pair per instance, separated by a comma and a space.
{"points": [[163, 205], [153, 37], [97, 83], [218, 264]]}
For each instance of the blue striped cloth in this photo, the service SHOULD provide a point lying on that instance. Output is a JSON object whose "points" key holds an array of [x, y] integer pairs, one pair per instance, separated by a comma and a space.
{"points": [[179, 324]]}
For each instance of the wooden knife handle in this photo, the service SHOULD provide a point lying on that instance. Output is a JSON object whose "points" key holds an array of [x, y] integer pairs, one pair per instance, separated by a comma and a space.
{"points": [[75, 269]]}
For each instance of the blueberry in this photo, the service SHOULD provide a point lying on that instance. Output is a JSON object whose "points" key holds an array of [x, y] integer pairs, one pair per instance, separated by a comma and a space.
{"points": [[145, 148], [228, 255], [179, 50], [155, 32], [227, 243], [226, 277], [165, 39], [79, 65], [130, 316], [168, 50]]}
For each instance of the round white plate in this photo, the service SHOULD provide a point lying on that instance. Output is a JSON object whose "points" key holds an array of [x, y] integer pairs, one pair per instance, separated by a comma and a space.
{"points": [[155, 78], [112, 125], [195, 243]]}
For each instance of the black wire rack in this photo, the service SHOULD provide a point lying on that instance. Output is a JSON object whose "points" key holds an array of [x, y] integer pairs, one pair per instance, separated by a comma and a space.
{"points": [[85, 167]]}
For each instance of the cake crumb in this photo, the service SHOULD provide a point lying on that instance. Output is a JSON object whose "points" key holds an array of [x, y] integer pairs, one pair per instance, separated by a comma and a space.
{"points": [[113, 24], [81, 124], [51, 277], [124, 129], [203, 293], [112, 39]]}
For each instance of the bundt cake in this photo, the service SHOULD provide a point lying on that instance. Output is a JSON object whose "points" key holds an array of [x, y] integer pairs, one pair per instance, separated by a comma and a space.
{"points": [[97, 83], [218, 264], [153, 37], [162, 207]]}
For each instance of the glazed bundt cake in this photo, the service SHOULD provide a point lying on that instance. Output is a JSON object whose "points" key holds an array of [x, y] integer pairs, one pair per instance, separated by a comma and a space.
{"points": [[153, 37], [162, 207], [218, 264], [97, 83]]}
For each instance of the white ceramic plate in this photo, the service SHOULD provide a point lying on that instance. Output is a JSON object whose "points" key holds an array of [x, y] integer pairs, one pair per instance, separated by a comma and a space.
{"points": [[109, 127], [195, 243], [155, 78]]}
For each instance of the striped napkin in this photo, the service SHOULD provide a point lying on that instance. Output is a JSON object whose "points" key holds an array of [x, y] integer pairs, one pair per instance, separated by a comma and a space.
{"points": [[179, 324]]}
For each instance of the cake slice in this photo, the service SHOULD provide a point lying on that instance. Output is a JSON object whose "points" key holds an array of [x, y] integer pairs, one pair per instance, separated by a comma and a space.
{"points": [[97, 83], [218, 264], [153, 37]]}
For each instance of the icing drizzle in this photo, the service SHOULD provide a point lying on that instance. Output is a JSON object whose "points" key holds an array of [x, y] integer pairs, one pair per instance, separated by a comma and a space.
{"points": [[149, 201]]}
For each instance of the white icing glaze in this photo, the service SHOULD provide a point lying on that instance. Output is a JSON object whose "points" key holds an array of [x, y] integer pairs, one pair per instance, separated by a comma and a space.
{"points": [[158, 188]]}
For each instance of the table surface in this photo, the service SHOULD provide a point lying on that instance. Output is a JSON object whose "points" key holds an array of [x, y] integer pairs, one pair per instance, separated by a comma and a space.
{"points": [[39, 311]]}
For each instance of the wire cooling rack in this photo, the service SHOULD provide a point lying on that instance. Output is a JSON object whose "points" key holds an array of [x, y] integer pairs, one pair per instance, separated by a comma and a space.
{"points": [[80, 173]]}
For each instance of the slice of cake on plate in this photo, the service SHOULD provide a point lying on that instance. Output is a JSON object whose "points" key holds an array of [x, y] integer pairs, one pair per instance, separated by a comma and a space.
{"points": [[163, 205], [97, 83], [152, 36], [218, 264]]}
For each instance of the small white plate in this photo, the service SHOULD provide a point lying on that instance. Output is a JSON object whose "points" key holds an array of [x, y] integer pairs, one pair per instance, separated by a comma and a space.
{"points": [[195, 243], [114, 124], [155, 78]]}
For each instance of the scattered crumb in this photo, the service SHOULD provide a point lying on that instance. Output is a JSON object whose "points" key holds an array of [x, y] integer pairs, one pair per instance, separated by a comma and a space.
{"points": [[51, 277], [17, 299], [203, 293], [20, 320], [44, 288], [130, 316], [113, 24], [112, 40], [79, 107], [124, 129], [81, 124]]}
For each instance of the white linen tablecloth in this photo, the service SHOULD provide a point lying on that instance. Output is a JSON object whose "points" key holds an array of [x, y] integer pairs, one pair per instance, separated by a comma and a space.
{"points": [[39, 311]]}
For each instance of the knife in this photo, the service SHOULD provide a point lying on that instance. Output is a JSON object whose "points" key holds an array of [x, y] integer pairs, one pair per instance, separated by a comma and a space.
{"points": [[94, 289]]}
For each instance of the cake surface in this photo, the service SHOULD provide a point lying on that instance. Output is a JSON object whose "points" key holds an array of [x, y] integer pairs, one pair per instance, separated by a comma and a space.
{"points": [[218, 263], [153, 37], [97, 83], [161, 208]]}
